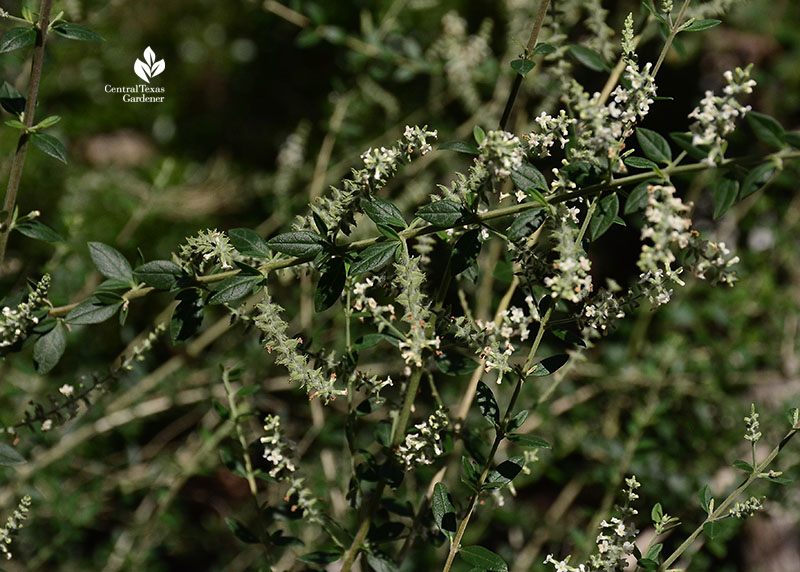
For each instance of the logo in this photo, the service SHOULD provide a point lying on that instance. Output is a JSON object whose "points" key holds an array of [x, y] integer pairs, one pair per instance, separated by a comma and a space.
{"points": [[142, 92], [151, 69]]}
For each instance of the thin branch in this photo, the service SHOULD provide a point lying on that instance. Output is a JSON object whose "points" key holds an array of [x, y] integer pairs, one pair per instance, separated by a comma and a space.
{"points": [[537, 26], [30, 107]]}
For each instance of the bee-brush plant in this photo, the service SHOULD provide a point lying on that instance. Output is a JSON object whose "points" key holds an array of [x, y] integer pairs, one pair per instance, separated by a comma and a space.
{"points": [[457, 319]]}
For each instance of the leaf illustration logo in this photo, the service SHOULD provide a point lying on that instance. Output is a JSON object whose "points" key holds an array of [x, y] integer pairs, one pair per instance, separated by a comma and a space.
{"points": [[150, 69]]}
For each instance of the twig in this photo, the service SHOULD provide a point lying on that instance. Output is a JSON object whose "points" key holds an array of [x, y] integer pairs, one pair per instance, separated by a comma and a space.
{"points": [[30, 107]]}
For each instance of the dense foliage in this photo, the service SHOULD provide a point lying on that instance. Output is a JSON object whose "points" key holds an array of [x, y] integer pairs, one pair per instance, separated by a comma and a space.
{"points": [[400, 285]]}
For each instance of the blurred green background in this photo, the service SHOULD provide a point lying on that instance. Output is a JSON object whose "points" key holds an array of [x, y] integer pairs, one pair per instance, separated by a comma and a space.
{"points": [[266, 105]]}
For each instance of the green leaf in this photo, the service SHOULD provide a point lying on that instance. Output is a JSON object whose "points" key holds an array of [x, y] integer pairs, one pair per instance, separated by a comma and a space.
{"points": [[76, 32], [444, 513], [470, 470], [465, 251], [756, 179], [724, 192], [320, 557], [589, 58], [380, 562], [525, 224], [654, 552], [330, 285], [767, 129], [373, 257], [528, 441], [188, 315], [700, 25], [371, 340], [549, 365], [479, 134], [109, 262], [792, 137], [742, 465], [504, 473], [17, 38], [460, 146], [48, 122], [483, 558], [704, 494], [38, 230], [522, 67], [49, 348], [49, 145], [443, 213], [487, 403], [713, 529], [528, 178], [16, 124], [9, 456], [639, 162], [247, 390], [654, 146], [656, 513], [160, 274], [381, 211], [517, 421], [249, 243], [543, 49], [639, 196], [11, 100], [388, 232], [648, 564], [604, 215], [298, 243], [684, 141], [241, 531], [453, 363], [234, 288], [646, 5], [793, 415], [91, 311]]}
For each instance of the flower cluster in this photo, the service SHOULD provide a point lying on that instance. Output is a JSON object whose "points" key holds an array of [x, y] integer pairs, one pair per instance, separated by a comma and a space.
{"points": [[15, 323], [614, 543], [501, 152], [14, 523], [383, 315], [310, 379], [752, 424], [492, 340], [424, 443], [748, 508], [417, 139], [462, 55], [372, 385], [337, 210], [278, 449], [538, 143], [415, 311], [601, 311], [140, 349], [667, 225], [464, 185], [208, 246], [572, 281], [304, 500], [379, 164], [602, 129], [713, 262], [716, 116]]}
